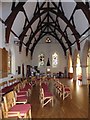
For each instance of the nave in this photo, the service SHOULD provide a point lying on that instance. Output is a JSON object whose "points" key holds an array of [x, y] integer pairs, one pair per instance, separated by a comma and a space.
{"points": [[77, 107]]}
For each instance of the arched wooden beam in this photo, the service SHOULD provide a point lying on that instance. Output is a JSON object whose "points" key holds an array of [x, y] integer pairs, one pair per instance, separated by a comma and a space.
{"points": [[52, 34], [75, 33], [59, 13], [39, 27], [58, 29], [65, 37], [85, 9], [32, 49], [9, 21]]}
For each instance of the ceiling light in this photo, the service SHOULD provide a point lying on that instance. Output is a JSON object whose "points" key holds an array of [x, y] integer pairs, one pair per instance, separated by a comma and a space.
{"points": [[48, 40]]}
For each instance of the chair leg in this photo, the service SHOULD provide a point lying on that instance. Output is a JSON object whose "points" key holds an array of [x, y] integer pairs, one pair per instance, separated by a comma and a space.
{"points": [[42, 103], [63, 96], [52, 101], [71, 95], [30, 114]]}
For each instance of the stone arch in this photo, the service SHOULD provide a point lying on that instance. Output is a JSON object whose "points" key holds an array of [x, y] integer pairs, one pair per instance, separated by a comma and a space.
{"points": [[84, 55]]}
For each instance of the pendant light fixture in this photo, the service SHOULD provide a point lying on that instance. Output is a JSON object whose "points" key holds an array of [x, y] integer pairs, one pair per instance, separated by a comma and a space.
{"points": [[48, 62]]}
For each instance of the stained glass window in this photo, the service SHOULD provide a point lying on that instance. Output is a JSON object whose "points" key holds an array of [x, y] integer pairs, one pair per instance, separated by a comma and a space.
{"points": [[41, 60], [54, 60]]}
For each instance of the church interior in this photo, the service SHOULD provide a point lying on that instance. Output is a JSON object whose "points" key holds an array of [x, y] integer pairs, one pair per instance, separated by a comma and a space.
{"points": [[44, 59]]}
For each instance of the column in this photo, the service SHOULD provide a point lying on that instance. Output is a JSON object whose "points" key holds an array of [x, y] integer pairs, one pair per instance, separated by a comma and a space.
{"points": [[84, 74], [74, 73]]}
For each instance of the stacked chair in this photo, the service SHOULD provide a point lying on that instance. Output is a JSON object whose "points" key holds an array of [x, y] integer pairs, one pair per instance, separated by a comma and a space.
{"points": [[63, 90], [45, 95]]}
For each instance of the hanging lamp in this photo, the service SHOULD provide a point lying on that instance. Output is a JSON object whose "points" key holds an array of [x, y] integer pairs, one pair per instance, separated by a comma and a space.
{"points": [[48, 62]]}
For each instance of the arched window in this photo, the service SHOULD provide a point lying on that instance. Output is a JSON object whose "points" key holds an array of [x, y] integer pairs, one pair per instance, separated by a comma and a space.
{"points": [[41, 60], [54, 60], [9, 62]]}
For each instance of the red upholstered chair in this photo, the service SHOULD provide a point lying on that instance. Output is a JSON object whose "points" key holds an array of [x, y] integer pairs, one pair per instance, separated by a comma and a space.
{"points": [[57, 86], [65, 91], [45, 97], [20, 98], [9, 114], [60, 88], [27, 88], [22, 110]]}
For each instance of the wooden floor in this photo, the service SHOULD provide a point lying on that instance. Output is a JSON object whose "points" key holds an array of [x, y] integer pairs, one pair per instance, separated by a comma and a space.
{"points": [[77, 107]]}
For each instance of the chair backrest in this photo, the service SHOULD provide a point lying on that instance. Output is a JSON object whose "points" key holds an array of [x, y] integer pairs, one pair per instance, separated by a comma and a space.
{"points": [[61, 86], [17, 87], [24, 83], [9, 100], [41, 93], [6, 114], [3, 110]]}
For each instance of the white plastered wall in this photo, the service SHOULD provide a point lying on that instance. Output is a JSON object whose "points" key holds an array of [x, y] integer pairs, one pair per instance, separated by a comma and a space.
{"points": [[48, 49], [17, 58]]}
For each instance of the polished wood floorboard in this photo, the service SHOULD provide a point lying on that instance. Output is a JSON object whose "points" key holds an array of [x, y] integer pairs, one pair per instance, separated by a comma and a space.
{"points": [[77, 107]]}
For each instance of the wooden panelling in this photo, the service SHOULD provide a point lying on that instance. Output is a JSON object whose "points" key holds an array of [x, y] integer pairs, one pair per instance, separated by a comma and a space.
{"points": [[3, 62], [0, 63]]}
